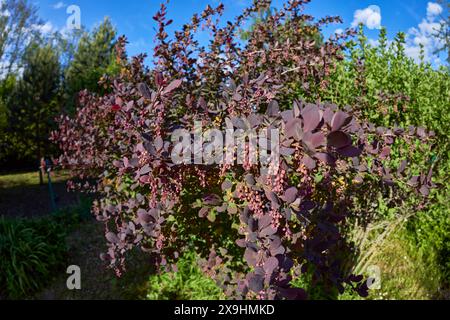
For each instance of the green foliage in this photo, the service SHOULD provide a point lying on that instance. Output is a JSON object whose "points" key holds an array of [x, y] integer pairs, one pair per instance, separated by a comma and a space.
{"points": [[30, 251], [33, 103], [187, 283], [407, 272], [55, 69], [389, 88], [93, 57], [416, 93], [429, 233]]}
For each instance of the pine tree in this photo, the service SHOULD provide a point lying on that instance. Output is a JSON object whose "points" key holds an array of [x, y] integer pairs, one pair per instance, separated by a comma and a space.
{"points": [[91, 60], [35, 102]]}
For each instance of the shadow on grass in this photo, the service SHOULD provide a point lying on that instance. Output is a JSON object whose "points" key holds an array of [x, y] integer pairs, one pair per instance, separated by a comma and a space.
{"points": [[22, 196]]}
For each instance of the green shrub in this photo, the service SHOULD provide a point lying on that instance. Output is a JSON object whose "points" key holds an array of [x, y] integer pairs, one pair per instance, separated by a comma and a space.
{"points": [[389, 88], [30, 251]]}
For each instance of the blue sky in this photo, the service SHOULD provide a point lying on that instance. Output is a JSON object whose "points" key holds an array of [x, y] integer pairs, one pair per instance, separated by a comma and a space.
{"points": [[134, 17]]}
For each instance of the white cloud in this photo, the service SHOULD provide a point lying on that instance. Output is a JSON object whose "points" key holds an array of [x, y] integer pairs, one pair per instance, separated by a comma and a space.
{"points": [[59, 5], [425, 35], [433, 9], [370, 17], [46, 28], [339, 31]]}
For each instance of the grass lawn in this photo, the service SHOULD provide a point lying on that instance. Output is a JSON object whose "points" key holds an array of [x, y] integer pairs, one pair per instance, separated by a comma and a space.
{"points": [[29, 179]]}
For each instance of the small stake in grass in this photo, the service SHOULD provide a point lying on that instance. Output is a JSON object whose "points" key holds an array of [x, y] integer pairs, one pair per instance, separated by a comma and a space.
{"points": [[46, 166]]}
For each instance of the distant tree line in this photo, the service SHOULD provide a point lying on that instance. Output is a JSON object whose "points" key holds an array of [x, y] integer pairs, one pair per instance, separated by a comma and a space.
{"points": [[41, 74]]}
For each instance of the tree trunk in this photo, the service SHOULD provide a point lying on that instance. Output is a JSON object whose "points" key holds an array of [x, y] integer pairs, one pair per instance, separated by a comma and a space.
{"points": [[39, 154]]}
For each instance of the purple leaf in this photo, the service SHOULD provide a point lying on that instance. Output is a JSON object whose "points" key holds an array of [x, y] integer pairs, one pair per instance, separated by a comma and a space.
{"points": [[287, 115], [287, 151], [350, 152], [242, 243], [159, 143], [264, 221], [250, 180], [250, 256], [172, 86], [269, 231], [203, 212], [294, 129], [254, 120], [270, 265], [273, 109], [143, 216], [325, 158], [314, 140], [290, 195], [292, 293], [144, 91], [414, 181], [402, 167], [385, 152], [256, 283], [278, 250], [425, 191], [271, 196], [308, 205], [339, 120], [212, 199], [309, 162], [311, 118], [226, 185], [144, 170], [237, 97], [328, 116], [339, 139], [112, 237]]}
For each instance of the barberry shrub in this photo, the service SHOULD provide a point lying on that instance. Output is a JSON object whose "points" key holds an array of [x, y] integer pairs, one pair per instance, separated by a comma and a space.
{"points": [[255, 229]]}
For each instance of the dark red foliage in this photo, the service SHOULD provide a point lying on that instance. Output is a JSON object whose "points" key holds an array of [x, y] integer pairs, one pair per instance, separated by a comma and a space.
{"points": [[286, 220]]}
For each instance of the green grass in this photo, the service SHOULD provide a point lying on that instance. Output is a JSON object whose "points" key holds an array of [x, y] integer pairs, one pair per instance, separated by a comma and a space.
{"points": [[29, 179], [406, 271], [188, 283]]}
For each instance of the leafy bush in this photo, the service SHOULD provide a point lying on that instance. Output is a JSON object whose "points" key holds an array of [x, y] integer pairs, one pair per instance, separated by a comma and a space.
{"points": [[259, 229], [388, 88], [30, 251]]}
